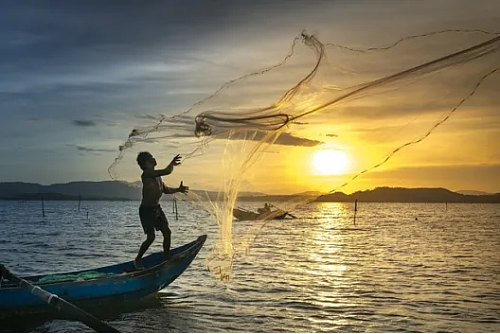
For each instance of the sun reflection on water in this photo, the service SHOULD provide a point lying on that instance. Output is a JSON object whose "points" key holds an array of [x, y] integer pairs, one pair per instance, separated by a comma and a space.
{"points": [[328, 256]]}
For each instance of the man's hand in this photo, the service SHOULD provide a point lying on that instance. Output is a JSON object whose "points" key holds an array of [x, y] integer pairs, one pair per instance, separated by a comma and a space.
{"points": [[183, 189], [176, 161]]}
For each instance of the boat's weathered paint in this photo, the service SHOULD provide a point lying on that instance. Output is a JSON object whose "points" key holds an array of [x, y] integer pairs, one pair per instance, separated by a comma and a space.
{"points": [[122, 283]]}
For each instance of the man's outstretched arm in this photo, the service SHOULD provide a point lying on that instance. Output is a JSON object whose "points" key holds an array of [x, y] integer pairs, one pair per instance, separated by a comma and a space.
{"points": [[176, 161]]}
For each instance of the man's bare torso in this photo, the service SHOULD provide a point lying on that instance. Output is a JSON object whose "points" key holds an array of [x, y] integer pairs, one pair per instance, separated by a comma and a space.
{"points": [[152, 189]]}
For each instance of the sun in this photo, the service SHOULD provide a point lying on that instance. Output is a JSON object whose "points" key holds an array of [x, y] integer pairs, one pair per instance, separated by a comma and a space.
{"points": [[330, 162]]}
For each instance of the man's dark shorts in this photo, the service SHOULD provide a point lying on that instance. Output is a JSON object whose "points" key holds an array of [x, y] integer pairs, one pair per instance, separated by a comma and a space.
{"points": [[152, 217]]}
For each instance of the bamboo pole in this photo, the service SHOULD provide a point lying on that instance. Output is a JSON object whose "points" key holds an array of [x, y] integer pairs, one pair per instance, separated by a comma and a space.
{"points": [[176, 212], [43, 208], [355, 210]]}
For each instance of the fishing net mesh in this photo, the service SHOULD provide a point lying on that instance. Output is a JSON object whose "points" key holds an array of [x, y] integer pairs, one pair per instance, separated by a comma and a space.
{"points": [[373, 104]]}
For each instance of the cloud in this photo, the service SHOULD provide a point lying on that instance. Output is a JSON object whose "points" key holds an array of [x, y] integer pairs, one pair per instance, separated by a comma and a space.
{"points": [[331, 135], [155, 118], [93, 150], [285, 139], [291, 140], [83, 123], [186, 132]]}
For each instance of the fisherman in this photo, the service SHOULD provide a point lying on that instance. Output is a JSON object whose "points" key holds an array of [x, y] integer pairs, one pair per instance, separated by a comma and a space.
{"points": [[150, 212]]}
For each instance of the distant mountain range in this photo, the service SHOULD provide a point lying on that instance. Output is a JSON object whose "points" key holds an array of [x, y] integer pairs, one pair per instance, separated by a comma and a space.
{"points": [[473, 192], [109, 190], [419, 195], [123, 191], [87, 190]]}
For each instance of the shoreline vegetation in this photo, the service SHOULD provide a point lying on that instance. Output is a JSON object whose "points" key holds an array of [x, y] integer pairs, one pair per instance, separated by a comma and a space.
{"points": [[123, 191]]}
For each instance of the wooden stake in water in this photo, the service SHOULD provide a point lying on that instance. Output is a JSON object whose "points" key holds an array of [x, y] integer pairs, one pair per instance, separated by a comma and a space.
{"points": [[355, 210], [176, 212], [43, 208], [79, 202]]}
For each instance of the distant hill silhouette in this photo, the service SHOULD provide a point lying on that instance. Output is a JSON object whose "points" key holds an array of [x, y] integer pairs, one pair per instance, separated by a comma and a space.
{"points": [[103, 190], [310, 193], [473, 192], [68, 191], [63, 197], [418, 195]]}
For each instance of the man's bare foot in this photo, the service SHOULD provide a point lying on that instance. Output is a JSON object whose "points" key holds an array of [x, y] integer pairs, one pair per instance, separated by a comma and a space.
{"points": [[138, 264]]}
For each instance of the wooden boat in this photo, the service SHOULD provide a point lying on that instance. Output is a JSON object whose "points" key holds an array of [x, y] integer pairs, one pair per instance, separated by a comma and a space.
{"points": [[116, 283], [242, 214]]}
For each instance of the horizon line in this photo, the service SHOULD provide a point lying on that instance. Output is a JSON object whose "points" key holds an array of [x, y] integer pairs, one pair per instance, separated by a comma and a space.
{"points": [[267, 194]]}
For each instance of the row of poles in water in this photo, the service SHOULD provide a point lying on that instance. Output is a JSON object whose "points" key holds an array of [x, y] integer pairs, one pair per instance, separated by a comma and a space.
{"points": [[174, 207], [79, 206]]}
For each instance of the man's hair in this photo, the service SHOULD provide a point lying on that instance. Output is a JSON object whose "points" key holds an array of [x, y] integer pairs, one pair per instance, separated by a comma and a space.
{"points": [[142, 157]]}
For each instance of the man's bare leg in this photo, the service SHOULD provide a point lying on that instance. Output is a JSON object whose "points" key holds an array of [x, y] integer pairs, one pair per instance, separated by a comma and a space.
{"points": [[166, 242], [144, 247]]}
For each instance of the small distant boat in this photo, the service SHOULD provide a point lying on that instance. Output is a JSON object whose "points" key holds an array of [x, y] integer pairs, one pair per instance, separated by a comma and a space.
{"points": [[243, 214], [116, 283]]}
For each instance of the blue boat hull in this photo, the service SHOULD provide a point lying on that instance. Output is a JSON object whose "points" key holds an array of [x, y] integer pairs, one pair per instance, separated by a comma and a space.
{"points": [[120, 283]]}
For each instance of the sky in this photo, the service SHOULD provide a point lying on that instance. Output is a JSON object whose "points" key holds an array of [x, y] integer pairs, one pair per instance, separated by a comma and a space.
{"points": [[78, 76]]}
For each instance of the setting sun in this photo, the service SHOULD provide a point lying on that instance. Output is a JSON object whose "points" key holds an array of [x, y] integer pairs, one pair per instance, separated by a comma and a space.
{"points": [[330, 162]]}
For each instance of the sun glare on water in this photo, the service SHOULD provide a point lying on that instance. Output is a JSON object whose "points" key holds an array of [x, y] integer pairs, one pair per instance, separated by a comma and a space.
{"points": [[330, 162]]}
